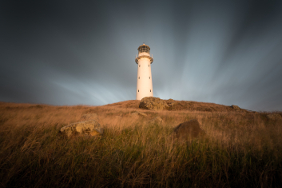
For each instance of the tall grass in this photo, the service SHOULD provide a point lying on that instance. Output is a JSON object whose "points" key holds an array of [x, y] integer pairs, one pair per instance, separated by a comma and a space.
{"points": [[239, 150]]}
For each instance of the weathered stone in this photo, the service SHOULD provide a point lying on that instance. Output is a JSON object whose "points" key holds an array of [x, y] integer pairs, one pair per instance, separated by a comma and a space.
{"points": [[153, 103], [171, 103], [235, 107], [91, 128], [188, 129]]}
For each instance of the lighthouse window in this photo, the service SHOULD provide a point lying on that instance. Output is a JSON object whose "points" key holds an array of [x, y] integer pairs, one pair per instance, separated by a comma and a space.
{"points": [[144, 49], [149, 77], [139, 77], [150, 91], [138, 90]]}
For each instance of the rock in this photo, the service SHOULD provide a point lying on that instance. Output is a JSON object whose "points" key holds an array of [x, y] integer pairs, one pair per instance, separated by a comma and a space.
{"points": [[235, 107], [91, 128], [153, 103], [188, 129], [171, 103], [274, 116]]}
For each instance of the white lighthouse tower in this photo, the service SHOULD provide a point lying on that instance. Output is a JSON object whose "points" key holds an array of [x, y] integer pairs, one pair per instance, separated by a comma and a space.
{"points": [[144, 74]]}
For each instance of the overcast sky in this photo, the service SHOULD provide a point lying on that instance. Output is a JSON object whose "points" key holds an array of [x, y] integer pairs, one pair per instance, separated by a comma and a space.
{"points": [[64, 52]]}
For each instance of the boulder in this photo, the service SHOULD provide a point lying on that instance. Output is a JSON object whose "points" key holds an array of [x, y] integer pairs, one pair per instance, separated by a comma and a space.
{"points": [[153, 103], [188, 129], [235, 107], [90, 128], [171, 102]]}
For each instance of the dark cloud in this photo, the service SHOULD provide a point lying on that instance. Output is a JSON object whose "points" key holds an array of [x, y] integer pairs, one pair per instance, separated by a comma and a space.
{"points": [[70, 52]]}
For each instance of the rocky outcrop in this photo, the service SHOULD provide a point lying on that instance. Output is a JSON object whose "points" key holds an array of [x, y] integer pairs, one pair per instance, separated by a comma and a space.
{"points": [[235, 107], [188, 129], [153, 103], [90, 128]]}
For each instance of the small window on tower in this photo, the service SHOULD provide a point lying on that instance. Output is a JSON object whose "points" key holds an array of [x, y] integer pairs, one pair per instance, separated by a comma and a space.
{"points": [[150, 91], [139, 77], [149, 77], [138, 90], [139, 65]]}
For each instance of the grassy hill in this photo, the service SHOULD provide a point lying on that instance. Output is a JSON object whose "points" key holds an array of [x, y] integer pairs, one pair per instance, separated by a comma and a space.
{"points": [[241, 148]]}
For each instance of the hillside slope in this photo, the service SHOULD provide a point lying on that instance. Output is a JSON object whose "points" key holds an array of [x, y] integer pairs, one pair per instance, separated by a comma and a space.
{"points": [[137, 149]]}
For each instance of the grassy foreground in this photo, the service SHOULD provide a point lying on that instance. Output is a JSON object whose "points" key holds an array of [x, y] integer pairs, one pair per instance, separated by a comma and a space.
{"points": [[239, 150]]}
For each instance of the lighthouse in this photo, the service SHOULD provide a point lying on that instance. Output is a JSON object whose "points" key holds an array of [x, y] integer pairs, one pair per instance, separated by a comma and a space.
{"points": [[144, 73]]}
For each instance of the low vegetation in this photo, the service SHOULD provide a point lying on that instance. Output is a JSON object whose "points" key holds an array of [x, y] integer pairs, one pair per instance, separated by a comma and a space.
{"points": [[240, 148]]}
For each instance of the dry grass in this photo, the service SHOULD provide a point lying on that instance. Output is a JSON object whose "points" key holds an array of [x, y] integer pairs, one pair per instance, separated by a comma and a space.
{"points": [[241, 148]]}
